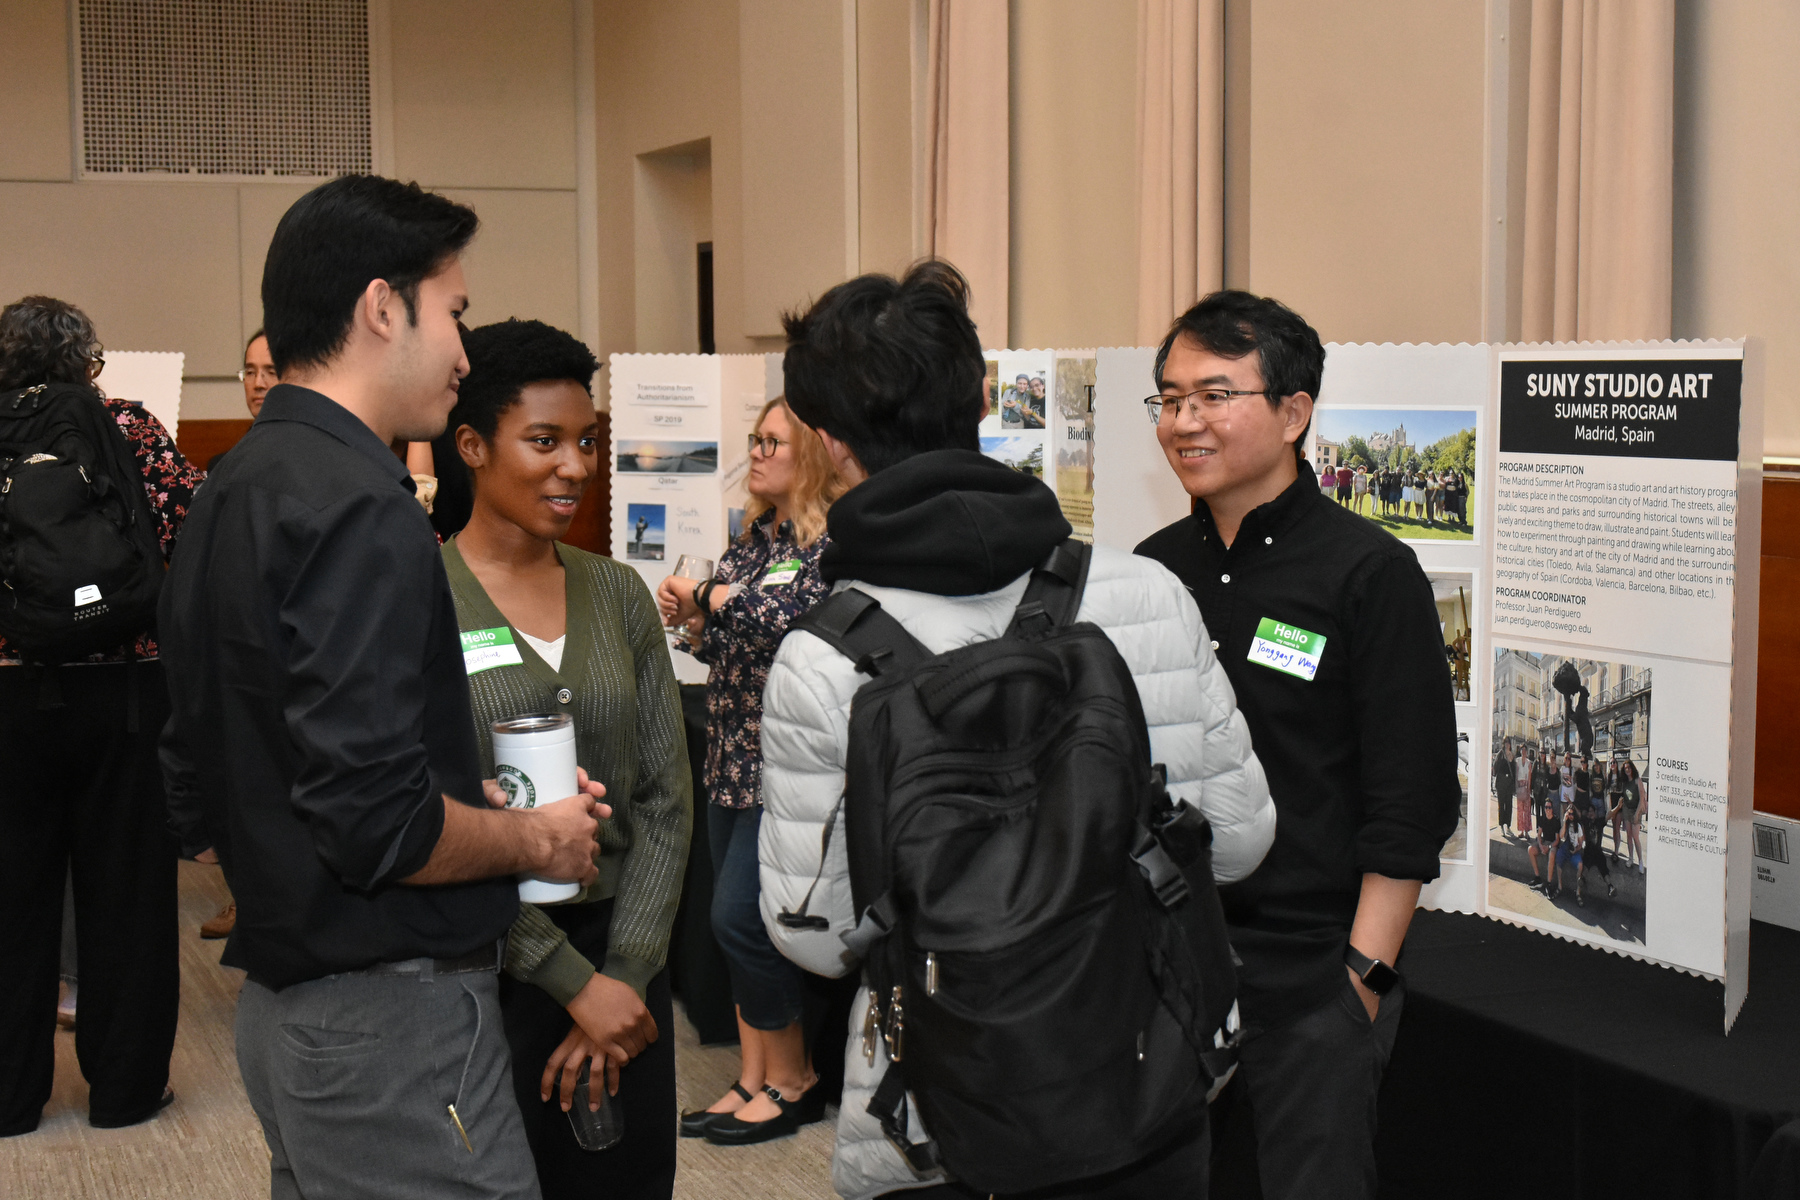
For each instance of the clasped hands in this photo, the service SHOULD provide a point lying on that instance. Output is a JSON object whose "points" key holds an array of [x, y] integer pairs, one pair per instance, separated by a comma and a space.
{"points": [[612, 1025]]}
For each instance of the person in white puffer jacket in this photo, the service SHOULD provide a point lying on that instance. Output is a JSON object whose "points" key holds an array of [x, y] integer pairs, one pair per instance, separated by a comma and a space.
{"points": [[890, 373]]}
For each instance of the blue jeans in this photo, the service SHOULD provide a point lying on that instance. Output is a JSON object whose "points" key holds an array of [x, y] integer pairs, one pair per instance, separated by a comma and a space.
{"points": [[765, 985]]}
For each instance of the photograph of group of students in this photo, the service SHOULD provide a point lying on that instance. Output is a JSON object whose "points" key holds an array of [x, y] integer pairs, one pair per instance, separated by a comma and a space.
{"points": [[1409, 470], [1569, 792]]}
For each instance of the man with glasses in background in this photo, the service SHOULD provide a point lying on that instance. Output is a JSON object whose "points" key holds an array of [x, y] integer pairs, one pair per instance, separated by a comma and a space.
{"points": [[1327, 628]]}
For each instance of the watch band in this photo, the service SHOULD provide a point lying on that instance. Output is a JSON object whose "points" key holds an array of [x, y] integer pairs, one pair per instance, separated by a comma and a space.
{"points": [[703, 597], [1376, 975]]}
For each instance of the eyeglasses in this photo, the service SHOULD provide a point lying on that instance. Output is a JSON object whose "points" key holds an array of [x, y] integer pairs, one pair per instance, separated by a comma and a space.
{"points": [[1207, 403], [259, 374], [96, 361], [767, 445]]}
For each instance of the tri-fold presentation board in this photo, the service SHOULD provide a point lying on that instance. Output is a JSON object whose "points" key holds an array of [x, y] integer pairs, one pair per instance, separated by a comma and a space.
{"points": [[1589, 517]]}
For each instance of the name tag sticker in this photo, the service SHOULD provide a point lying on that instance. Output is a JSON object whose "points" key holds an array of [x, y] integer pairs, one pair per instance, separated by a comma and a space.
{"points": [[484, 649], [782, 573], [1282, 647]]}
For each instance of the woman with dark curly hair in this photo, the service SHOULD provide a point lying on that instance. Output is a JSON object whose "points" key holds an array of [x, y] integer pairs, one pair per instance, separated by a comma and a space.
{"points": [[585, 981], [82, 791]]}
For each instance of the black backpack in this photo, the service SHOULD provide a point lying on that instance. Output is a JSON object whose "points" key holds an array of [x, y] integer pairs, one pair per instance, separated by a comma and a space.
{"points": [[1042, 939], [80, 561]]}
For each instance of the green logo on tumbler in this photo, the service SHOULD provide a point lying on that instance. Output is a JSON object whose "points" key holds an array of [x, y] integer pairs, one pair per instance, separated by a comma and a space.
{"points": [[1287, 648], [516, 783]]}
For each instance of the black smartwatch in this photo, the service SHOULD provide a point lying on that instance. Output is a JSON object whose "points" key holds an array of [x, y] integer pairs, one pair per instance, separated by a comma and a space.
{"points": [[1376, 975]]}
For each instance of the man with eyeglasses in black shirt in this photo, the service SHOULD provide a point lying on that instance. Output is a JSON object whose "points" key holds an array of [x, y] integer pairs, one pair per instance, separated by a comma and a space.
{"points": [[1327, 628]]}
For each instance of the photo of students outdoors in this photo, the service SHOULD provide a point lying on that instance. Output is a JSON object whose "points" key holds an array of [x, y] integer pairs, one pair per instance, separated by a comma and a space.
{"points": [[1568, 792], [1023, 401], [644, 538], [1454, 591], [1409, 470], [1074, 457]]}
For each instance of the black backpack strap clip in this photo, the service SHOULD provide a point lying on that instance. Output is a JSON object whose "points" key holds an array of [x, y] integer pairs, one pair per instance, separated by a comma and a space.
{"points": [[854, 624], [888, 1106], [1053, 596], [1159, 870]]}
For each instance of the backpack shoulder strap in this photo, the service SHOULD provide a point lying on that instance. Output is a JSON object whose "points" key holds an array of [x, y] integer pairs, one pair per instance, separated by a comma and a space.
{"points": [[854, 624], [1053, 596]]}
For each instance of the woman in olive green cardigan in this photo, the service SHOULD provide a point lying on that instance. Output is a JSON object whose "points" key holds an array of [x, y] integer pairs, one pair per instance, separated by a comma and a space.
{"points": [[581, 635]]}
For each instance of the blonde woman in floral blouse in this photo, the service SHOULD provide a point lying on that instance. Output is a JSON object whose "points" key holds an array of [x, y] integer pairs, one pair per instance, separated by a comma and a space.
{"points": [[769, 577]]}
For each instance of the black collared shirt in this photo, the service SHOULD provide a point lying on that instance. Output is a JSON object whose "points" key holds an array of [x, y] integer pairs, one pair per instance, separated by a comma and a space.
{"points": [[1361, 759], [320, 700]]}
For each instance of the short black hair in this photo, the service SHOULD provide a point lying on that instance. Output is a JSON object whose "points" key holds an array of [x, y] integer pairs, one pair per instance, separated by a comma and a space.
{"points": [[334, 241], [890, 367], [251, 340], [1231, 324], [507, 355], [45, 340]]}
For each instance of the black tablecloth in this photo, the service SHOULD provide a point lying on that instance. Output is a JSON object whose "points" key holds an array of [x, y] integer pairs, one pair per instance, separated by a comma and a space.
{"points": [[1527, 1066]]}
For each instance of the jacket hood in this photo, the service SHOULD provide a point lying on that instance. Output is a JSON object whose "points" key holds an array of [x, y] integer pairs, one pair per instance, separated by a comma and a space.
{"points": [[950, 522]]}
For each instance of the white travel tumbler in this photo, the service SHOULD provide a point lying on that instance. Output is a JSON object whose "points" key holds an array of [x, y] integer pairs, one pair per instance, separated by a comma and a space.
{"points": [[534, 761]]}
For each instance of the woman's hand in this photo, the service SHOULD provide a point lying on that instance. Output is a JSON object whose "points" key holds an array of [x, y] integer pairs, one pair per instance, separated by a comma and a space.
{"points": [[611, 1018], [577, 1047], [675, 597]]}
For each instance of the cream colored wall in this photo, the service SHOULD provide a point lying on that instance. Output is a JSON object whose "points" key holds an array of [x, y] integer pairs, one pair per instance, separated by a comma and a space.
{"points": [[178, 265], [884, 111], [666, 76], [1365, 173], [672, 215], [1074, 182], [1737, 190]]}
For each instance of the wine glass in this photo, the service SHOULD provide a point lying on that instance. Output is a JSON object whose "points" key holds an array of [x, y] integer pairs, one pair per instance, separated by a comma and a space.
{"points": [[691, 566]]}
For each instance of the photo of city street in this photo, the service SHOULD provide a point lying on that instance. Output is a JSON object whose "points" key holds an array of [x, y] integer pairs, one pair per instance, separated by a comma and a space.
{"points": [[1567, 792]]}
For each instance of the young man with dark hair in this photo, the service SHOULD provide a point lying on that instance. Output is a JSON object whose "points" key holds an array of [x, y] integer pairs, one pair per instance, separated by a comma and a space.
{"points": [[321, 721], [890, 373], [1327, 628]]}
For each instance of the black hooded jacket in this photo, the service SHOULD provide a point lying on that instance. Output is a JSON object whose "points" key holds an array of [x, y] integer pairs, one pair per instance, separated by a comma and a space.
{"points": [[950, 522]]}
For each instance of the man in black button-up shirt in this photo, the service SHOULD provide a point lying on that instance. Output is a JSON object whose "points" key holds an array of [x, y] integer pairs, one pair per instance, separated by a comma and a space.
{"points": [[322, 727], [1328, 631]]}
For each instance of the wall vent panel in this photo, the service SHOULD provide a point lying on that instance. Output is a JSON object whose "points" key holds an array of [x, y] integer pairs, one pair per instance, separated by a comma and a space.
{"points": [[222, 89]]}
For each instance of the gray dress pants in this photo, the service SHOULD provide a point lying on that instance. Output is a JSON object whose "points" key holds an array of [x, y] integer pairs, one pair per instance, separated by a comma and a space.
{"points": [[353, 1077]]}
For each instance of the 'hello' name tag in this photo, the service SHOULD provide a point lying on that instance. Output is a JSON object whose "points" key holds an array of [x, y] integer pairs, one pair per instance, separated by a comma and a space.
{"points": [[485, 649], [1282, 647], [782, 573]]}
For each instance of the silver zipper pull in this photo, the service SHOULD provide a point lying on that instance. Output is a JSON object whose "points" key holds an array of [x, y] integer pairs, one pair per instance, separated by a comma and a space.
{"points": [[871, 1024], [931, 975], [1140, 1045]]}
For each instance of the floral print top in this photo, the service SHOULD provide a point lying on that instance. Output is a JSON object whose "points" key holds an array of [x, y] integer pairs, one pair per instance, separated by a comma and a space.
{"points": [[169, 484], [773, 582]]}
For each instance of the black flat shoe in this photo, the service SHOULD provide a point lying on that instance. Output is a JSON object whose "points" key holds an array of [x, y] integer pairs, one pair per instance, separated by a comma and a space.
{"points": [[695, 1124], [168, 1098], [730, 1131]]}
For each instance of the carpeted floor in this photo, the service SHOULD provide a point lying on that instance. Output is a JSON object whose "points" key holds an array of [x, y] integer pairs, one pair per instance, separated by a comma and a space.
{"points": [[208, 1146]]}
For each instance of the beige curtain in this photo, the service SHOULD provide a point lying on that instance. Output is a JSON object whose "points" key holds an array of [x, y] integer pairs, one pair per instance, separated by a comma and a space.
{"points": [[1181, 158], [968, 172], [1599, 170]]}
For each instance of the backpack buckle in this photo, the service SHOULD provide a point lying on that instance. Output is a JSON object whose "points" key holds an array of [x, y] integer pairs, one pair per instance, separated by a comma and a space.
{"points": [[1159, 870], [1031, 619], [870, 663]]}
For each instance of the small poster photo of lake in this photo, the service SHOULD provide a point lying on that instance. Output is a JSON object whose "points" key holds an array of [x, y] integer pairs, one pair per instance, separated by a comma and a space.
{"points": [[656, 457], [644, 532], [1022, 451]]}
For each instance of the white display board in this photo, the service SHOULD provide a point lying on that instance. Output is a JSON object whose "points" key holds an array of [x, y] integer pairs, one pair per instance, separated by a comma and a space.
{"points": [[678, 435], [151, 378], [1601, 586]]}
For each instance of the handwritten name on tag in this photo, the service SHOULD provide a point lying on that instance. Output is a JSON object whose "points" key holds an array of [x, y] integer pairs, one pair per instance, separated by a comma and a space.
{"points": [[485, 649], [1285, 648]]}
